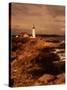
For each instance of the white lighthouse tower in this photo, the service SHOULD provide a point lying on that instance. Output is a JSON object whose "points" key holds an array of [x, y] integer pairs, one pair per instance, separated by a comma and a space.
{"points": [[33, 32]]}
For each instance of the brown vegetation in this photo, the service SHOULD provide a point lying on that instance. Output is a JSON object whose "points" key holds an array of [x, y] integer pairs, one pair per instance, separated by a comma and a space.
{"points": [[32, 63]]}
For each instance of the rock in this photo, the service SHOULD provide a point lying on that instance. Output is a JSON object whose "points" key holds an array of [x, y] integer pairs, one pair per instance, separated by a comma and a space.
{"points": [[60, 79], [45, 79]]}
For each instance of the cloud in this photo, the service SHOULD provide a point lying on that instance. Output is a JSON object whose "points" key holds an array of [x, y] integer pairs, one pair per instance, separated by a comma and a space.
{"points": [[47, 18]]}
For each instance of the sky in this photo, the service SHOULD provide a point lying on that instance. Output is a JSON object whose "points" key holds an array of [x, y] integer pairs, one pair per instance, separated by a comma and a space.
{"points": [[48, 19]]}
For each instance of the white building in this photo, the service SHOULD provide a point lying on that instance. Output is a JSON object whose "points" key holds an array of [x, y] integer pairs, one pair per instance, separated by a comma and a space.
{"points": [[23, 34], [33, 32]]}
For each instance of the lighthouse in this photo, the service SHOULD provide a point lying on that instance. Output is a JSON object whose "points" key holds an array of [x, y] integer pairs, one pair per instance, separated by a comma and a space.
{"points": [[33, 32]]}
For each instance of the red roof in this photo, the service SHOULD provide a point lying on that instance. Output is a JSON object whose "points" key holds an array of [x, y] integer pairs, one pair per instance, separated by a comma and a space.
{"points": [[23, 33]]}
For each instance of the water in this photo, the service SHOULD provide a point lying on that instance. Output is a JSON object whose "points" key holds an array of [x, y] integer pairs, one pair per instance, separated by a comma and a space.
{"points": [[61, 54], [55, 38]]}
